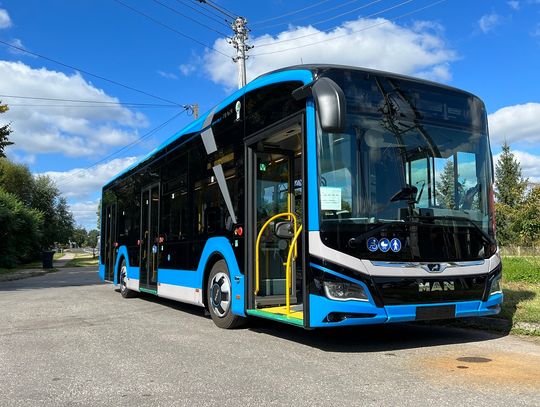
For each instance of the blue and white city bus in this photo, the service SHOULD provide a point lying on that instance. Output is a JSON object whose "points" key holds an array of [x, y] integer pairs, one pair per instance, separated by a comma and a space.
{"points": [[318, 196]]}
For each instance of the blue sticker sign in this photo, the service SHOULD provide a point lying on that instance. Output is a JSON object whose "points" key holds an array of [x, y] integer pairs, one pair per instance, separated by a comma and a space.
{"points": [[372, 244], [395, 245], [384, 245]]}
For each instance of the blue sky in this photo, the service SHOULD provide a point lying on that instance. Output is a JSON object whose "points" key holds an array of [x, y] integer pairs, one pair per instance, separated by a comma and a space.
{"points": [[488, 47]]}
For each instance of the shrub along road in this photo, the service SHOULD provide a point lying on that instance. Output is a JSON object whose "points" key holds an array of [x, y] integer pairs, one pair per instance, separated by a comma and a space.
{"points": [[67, 339]]}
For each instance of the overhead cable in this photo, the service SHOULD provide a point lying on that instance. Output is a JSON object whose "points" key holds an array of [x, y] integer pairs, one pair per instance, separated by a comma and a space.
{"points": [[386, 21], [188, 17], [330, 29], [170, 28], [70, 178], [114, 82]]}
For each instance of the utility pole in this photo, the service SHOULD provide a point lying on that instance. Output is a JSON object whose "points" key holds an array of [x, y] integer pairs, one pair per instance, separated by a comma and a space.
{"points": [[239, 42], [239, 39]]}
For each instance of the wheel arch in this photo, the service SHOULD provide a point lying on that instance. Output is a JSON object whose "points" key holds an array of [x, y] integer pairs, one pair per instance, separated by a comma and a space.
{"points": [[121, 255], [212, 259], [220, 248]]}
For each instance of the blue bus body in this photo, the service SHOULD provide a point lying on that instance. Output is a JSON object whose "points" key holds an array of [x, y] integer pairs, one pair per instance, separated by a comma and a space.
{"points": [[335, 280]]}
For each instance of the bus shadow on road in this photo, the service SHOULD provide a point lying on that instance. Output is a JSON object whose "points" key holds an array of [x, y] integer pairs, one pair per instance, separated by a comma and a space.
{"points": [[361, 339], [374, 338]]}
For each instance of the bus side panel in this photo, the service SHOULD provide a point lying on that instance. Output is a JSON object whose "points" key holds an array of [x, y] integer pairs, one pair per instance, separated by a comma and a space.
{"points": [[188, 285], [101, 270]]}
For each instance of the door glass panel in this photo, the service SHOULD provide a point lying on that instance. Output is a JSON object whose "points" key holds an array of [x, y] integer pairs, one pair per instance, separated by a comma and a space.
{"points": [[273, 197], [154, 236], [145, 233]]}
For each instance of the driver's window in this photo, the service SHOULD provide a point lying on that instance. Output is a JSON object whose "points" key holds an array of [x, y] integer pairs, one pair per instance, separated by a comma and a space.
{"points": [[467, 180], [419, 179]]}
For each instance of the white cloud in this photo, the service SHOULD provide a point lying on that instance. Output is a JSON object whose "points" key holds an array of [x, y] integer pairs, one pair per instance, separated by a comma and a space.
{"points": [[167, 75], [488, 22], [59, 127], [85, 213], [18, 43], [530, 164], [187, 69], [513, 4], [371, 43], [516, 124], [5, 20], [81, 184]]}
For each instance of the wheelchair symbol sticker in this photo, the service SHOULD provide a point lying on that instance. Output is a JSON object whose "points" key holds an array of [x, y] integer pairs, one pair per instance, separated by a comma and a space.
{"points": [[372, 244]]}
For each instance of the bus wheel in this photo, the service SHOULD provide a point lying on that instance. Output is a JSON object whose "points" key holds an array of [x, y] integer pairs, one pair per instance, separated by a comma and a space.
{"points": [[124, 291], [219, 297]]}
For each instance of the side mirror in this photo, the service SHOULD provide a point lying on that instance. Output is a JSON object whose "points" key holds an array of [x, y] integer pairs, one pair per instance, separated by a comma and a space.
{"points": [[329, 101], [284, 230]]}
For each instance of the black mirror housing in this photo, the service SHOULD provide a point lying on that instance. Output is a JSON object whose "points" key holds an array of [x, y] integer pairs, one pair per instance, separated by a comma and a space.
{"points": [[284, 230]]}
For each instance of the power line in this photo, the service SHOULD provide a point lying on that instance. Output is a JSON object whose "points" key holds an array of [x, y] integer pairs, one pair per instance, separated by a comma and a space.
{"points": [[85, 106], [222, 10], [212, 11], [86, 72], [356, 9], [87, 101], [223, 21], [326, 10], [291, 13], [354, 32], [330, 29], [70, 178], [188, 17], [169, 27]]}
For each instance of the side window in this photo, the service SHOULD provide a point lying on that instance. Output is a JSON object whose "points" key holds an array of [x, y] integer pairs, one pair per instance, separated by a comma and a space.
{"points": [[175, 200]]}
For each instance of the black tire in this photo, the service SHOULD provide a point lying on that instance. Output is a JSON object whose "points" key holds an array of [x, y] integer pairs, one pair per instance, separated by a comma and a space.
{"points": [[124, 291], [219, 297]]}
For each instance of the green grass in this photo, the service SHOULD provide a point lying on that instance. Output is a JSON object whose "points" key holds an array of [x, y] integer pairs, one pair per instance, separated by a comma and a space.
{"points": [[521, 302], [521, 269], [521, 288], [83, 260], [36, 264]]}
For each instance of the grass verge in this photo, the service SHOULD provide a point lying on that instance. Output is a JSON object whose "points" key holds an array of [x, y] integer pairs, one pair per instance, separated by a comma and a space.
{"points": [[83, 260], [520, 312], [36, 264]]}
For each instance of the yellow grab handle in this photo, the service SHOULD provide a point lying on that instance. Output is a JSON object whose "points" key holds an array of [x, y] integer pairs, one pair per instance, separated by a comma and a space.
{"points": [[288, 275], [279, 215]]}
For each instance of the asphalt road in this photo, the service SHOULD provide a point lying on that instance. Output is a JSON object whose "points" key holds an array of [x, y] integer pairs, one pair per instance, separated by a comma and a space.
{"points": [[66, 339]]}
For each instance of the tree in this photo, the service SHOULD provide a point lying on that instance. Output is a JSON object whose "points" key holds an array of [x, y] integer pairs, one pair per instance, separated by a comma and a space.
{"points": [[92, 239], [509, 184], [446, 187], [79, 236], [528, 220], [59, 223], [5, 131], [17, 180], [20, 230]]}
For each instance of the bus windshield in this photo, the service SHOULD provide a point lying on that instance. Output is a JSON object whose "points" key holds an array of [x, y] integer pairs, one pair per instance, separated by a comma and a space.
{"points": [[410, 179]]}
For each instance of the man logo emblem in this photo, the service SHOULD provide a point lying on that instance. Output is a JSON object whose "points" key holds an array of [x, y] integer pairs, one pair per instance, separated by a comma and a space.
{"points": [[436, 286]]}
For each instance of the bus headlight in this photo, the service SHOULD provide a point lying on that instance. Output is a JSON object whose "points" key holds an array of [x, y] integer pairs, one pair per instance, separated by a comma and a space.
{"points": [[495, 287], [344, 291]]}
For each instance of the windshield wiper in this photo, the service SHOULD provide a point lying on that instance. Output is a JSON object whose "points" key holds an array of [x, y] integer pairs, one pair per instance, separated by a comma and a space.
{"points": [[483, 233]]}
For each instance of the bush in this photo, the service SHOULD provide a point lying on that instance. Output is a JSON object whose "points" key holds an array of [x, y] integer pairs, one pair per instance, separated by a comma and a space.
{"points": [[20, 231]]}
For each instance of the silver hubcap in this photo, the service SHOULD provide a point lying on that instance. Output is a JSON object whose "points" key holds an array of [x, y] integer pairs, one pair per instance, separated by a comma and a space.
{"points": [[220, 294], [123, 286]]}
